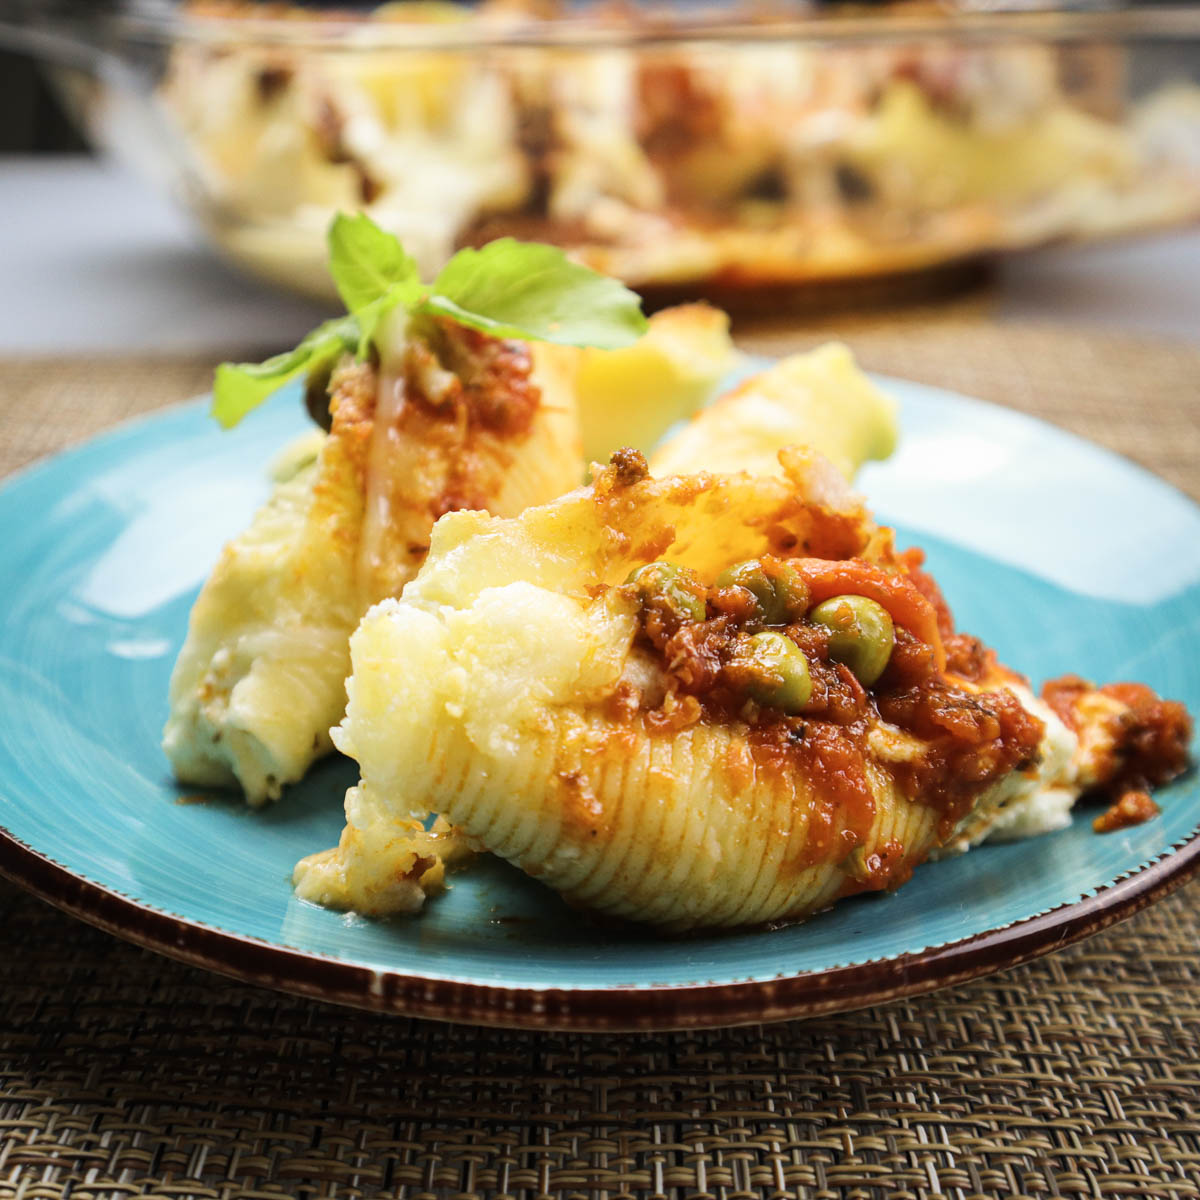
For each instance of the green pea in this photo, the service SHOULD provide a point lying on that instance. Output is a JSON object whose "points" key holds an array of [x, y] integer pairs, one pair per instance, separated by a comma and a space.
{"points": [[791, 591], [781, 593], [679, 587], [779, 672], [861, 634]]}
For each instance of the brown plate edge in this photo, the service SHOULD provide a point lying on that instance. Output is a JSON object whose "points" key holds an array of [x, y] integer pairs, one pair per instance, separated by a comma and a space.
{"points": [[660, 1009]]}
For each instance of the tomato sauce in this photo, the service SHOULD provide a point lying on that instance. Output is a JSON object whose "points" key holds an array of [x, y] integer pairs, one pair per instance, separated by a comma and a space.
{"points": [[969, 738], [1132, 808], [1140, 741]]}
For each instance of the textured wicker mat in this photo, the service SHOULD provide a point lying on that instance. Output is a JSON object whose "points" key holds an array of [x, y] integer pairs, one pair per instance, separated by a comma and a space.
{"points": [[123, 1074]]}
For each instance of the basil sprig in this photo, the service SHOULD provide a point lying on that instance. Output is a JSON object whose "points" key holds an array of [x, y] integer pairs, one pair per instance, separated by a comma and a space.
{"points": [[506, 289]]}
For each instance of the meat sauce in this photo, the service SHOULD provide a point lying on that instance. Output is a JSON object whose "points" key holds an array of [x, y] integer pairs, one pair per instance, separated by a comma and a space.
{"points": [[495, 376], [490, 397], [970, 739], [1142, 743], [432, 435], [1131, 808]]}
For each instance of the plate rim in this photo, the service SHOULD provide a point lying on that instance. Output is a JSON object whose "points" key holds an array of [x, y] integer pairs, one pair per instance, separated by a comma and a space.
{"points": [[652, 1008], [649, 1007]]}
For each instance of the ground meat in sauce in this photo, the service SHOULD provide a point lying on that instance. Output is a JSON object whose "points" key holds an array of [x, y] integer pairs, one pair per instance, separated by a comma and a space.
{"points": [[1150, 735], [968, 657], [495, 376], [463, 427], [532, 227], [629, 466], [674, 112], [271, 81], [1132, 808], [329, 127], [885, 869], [1063, 694], [971, 739]]}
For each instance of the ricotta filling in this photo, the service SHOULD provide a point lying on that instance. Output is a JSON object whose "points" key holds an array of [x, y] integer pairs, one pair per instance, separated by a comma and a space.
{"points": [[1026, 803]]}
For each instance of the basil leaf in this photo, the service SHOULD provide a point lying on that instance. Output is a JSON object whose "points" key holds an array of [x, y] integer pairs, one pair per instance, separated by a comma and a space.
{"points": [[528, 290], [507, 289], [240, 387], [367, 262]]}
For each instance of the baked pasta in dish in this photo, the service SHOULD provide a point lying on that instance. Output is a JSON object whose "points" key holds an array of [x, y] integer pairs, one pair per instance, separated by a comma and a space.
{"points": [[724, 160], [692, 701]]}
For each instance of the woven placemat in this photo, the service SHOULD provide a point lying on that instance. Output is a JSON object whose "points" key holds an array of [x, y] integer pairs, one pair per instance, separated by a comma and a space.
{"points": [[123, 1074]]}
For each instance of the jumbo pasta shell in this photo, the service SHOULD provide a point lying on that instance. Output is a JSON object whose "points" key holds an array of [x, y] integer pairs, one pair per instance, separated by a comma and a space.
{"points": [[459, 420], [508, 691]]}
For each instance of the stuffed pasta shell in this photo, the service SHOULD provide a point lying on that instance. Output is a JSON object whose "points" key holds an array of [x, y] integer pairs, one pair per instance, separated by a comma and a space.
{"points": [[631, 397], [820, 399], [447, 418], [693, 701]]}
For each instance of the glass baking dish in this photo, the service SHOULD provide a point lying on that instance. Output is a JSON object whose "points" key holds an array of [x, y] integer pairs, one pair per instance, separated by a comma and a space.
{"points": [[695, 149]]}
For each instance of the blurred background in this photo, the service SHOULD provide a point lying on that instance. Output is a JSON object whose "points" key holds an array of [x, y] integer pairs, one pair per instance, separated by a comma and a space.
{"points": [[34, 120], [168, 169]]}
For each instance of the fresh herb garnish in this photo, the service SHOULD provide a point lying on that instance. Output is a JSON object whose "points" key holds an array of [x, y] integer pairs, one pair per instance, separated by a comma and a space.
{"points": [[240, 387], [506, 289], [528, 290], [366, 262]]}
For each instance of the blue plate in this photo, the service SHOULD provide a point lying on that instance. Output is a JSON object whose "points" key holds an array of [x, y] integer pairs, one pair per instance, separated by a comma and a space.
{"points": [[1061, 555]]}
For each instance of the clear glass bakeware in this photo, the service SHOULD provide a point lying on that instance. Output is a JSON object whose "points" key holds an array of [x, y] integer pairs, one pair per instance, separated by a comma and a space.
{"points": [[689, 148]]}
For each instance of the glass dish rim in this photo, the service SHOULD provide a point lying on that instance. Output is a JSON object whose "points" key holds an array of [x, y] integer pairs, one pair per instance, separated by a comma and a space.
{"points": [[348, 34]]}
